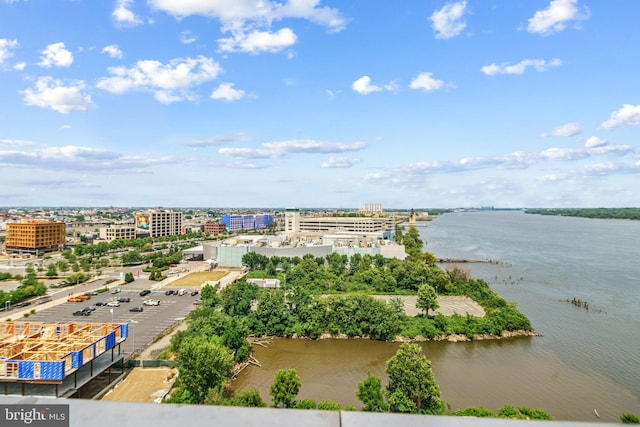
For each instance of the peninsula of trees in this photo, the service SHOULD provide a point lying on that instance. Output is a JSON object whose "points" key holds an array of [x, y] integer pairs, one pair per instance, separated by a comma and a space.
{"points": [[325, 296]]}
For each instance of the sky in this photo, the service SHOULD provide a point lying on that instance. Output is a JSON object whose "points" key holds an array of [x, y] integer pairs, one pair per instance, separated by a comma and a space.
{"points": [[314, 103]]}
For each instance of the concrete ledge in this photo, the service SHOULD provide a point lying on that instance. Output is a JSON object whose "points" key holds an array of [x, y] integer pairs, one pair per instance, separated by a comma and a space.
{"points": [[108, 414]]}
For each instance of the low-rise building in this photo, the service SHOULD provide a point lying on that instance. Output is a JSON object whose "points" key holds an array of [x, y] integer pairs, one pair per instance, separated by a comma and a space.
{"points": [[113, 232]]}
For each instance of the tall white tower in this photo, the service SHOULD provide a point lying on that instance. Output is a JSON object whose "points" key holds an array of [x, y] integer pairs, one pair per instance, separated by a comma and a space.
{"points": [[292, 220]]}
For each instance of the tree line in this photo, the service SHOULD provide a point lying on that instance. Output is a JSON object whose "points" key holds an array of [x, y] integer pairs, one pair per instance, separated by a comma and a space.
{"points": [[602, 213]]}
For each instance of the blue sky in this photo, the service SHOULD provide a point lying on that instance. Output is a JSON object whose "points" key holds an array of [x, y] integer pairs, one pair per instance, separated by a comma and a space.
{"points": [[309, 103]]}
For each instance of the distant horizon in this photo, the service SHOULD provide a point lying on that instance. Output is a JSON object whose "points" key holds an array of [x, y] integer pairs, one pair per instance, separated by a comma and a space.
{"points": [[486, 208]]}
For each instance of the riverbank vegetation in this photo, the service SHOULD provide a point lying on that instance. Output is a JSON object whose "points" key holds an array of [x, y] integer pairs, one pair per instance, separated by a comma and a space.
{"points": [[332, 296], [602, 213]]}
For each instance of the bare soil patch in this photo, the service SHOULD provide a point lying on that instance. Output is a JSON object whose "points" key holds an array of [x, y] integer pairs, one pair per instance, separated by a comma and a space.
{"points": [[449, 305], [143, 385]]}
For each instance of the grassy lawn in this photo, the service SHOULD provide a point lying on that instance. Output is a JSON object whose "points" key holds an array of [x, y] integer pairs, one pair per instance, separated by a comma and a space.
{"points": [[196, 279]]}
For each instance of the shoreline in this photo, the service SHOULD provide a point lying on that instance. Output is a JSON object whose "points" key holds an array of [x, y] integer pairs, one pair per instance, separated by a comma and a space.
{"points": [[418, 338]]}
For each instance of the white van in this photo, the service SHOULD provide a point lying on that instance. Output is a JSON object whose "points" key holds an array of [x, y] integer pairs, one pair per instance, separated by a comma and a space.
{"points": [[182, 291]]}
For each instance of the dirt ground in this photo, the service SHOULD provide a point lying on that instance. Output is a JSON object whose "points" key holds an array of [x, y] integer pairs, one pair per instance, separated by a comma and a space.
{"points": [[143, 385], [449, 305]]}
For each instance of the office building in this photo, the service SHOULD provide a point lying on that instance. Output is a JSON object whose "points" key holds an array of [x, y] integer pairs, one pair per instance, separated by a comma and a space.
{"points": [[156, 223], [35, 236], [247, 222]]}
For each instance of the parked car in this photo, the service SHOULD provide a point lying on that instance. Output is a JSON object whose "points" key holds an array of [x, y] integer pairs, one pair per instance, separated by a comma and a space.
{"points": [[182, 291], [84, 297], [113, 304], [74, 299], [145, 292], [194, 293], [124, 299], [89, 308], [23, 304], [169, 292], [197, 302], [101, 304], [151, 302], [136, 309], [91, 293], [115, 291], [81, 313]]}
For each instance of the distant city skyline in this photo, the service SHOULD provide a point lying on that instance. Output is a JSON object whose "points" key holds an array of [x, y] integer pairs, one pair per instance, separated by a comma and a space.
{"points": [[417, 104]]}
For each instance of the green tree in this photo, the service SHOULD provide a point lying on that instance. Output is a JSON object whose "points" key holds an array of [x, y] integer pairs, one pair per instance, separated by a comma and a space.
{"points": [[209, 296], [249, 398], [203, 365], [52, 271], [128, 277], [237, 298], [285, 388], [371, 395], [427, 299], [412, 386]]}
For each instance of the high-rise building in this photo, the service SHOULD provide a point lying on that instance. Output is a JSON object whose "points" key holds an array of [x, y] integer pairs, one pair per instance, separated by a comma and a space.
{"points": [[156, 223], [35, 236]]}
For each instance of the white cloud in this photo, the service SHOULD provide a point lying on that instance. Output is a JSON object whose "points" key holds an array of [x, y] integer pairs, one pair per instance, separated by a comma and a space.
{"points": [[50, 93], [594, 141], [169, 82], [6, 47], [20, 66], [238, 12], [568, 129], [521, 67], [55, 55], [627, 115], [339, 162], [218, 140], [123, 14], [515, 160], [279, 149], [249, 21], [448, 22], [16, 142], [258, 41], [363, 86], [187, 37], [226, 92], [426, 82], [113, 51], [72, 157], [555, 18]]}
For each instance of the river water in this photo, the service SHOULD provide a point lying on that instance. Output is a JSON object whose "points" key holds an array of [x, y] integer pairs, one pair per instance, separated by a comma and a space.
{"points": [[585, 361]]}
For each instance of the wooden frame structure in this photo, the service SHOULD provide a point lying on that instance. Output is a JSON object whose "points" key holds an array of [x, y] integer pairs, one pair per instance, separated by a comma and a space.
{"points": [[48, 352]]}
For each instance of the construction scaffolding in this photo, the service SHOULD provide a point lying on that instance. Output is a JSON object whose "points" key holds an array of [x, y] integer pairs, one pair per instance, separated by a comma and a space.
{"points": [[47, 353]]}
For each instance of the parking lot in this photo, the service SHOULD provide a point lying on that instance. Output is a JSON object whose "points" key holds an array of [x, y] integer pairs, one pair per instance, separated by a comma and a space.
{"points": [[144, 326]]}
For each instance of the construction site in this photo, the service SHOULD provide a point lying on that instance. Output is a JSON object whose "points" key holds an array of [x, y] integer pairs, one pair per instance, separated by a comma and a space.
{"points": [[57, 359]]}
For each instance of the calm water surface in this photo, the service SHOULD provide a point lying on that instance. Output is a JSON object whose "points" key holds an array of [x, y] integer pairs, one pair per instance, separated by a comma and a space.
{"points": [[584, 360]]}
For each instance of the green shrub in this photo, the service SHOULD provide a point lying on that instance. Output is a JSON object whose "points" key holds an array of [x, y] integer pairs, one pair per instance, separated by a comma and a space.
{"points": [[629, 418], [474, 411], [306, 404], [329, 405]]}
